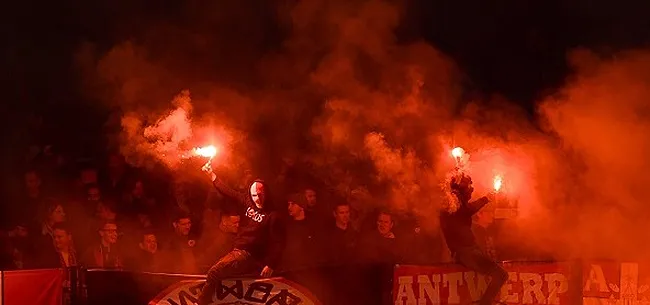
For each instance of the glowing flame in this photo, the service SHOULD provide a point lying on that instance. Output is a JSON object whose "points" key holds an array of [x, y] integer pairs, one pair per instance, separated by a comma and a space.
{"points": [[457, 152], [498, 182], [206, 151]]}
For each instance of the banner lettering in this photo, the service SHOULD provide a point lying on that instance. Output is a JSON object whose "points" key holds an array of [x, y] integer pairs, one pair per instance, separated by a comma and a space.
{"points": [[544, 283], [275, 291]]}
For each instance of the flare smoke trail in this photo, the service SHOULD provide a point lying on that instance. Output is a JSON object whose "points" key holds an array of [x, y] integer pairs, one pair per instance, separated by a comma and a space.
{"points": [[383, 113]]}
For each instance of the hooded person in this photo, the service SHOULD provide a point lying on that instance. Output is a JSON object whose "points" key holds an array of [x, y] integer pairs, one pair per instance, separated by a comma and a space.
{"points": [[259, 241], [457, 229]]}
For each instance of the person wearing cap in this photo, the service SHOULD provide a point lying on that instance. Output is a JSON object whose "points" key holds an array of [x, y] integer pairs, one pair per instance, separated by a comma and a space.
{"points": [[302, 238], [456, 227]]}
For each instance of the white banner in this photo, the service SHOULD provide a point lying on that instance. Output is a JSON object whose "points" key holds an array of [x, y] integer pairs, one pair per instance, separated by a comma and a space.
{"points": [[276, 291]]}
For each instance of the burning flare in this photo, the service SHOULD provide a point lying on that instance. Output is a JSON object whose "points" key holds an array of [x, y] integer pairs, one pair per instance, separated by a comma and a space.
{"points": [[497, 183], [457, 152], [206, 151]]}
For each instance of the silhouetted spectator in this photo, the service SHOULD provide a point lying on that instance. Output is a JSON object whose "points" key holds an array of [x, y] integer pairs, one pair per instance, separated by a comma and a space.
{"points": [[105, 252]]}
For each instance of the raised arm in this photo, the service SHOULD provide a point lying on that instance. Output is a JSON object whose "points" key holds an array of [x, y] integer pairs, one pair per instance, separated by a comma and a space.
{"points": [[222, 187], [476, 205]]}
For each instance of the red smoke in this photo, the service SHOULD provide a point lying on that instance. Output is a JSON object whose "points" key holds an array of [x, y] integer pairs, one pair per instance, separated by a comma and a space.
{"points": [[579, 181]]}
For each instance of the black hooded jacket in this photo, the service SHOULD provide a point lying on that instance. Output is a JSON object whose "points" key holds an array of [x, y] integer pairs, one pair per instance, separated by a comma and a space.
{"points": [[457, 226], [260, 231]]}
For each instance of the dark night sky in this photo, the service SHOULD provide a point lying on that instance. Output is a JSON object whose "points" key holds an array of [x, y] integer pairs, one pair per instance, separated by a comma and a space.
{"points": [[514, 47]]}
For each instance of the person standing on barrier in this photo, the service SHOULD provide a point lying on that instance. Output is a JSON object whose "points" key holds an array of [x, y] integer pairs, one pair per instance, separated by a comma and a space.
{"points": [[456, 225], [259, 240]]}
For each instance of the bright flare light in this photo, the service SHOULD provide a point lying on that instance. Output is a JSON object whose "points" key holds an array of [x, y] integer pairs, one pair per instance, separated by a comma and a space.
{"points": [[457, 152], [498, 182], [206, 151]]}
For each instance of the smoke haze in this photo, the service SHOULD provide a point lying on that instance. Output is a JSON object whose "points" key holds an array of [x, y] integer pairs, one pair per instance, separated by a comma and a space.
{"points": [[381, 116]]}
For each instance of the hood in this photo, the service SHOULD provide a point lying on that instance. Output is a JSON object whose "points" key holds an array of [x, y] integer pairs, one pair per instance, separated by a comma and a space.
{"points": [[266, 192]]}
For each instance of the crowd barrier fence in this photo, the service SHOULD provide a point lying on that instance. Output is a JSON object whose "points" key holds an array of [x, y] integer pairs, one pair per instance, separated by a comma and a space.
{"points": [[575, 283]]}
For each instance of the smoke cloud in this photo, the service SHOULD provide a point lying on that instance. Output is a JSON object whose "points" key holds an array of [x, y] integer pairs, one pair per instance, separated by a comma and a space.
{"points": [[381, 116]]}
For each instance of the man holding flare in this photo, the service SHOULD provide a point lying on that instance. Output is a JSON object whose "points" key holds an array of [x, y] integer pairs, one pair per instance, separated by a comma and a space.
{"points": [[259, 238], [456, 225]]}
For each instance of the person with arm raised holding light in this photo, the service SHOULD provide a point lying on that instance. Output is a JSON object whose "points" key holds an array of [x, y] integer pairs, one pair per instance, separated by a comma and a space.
{"points": [[456, 227], [259, 241]]}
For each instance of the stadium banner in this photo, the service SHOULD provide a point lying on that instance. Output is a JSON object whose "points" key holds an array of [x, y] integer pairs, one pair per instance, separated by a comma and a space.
{"points": [[277, 291], [528, 283], [32, 287], [615, 283]]}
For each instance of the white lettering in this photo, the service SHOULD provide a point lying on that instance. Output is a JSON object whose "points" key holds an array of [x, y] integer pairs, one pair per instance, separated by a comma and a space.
{"points": [[476, 284], [532, 284], [405, 290], [429, 288], [557, 283], [453, 280], [254, 215], [506, 296], [596, 277]]}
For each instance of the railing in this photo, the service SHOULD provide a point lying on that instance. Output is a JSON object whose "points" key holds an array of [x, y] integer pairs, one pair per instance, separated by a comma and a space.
{"points": [[577, 282]]}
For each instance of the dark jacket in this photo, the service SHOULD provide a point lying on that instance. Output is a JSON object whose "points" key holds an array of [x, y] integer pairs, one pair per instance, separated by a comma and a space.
{"points": [[260, 230], [457, 226]]}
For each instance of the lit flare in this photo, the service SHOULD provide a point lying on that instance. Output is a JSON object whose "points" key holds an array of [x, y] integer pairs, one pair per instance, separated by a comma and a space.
{"points": [[457, 152], [206, 151], [497, 183]]}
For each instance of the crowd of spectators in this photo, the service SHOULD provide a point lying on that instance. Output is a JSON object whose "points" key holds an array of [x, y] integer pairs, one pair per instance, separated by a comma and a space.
{"points": [[105, 213]]}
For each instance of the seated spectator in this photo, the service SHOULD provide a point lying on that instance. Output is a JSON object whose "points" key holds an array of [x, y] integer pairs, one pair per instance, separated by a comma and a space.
{"points": [[66, 252], [20, 248], [218, 241], [54, 214], [146, 257], [104, 254], [180, 248]]}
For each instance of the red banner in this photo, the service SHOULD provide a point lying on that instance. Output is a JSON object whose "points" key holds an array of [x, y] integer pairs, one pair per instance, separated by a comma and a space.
{"points": [[528, 283], [615, 283], [43, 287]]}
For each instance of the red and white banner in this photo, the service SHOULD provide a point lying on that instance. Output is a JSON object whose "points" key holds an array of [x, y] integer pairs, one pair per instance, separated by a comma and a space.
{"points": [[616, 283], [43, 287], [528, 283], [277, 291]]}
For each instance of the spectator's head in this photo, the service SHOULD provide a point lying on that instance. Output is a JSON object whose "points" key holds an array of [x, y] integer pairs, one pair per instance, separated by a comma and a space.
{"points": [[149, 242], [19, 228], [108, 233], [342, 214], [55, 212], [384, 223], [462, 187], [310, 196], [229, 222], [62, 236], [106, 211], [32, 181], [20, 231], [258, 193], [297, 205], [182, 224], [93, 193]]}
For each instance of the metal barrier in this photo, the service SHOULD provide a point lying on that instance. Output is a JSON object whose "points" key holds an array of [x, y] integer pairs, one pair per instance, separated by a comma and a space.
{"points": [[576, 282]]}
